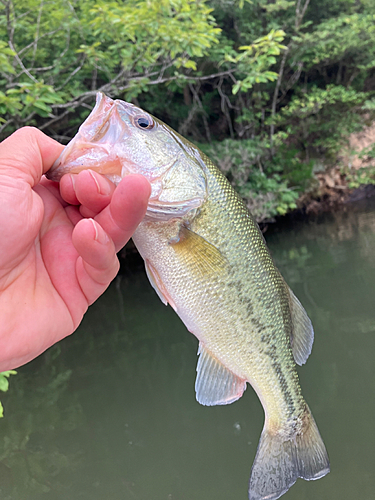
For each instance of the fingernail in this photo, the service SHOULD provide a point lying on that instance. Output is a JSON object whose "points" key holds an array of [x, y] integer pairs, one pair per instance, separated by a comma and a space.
{"points": [[73, 181], [95, 180], [100, 234], [101, 186]]}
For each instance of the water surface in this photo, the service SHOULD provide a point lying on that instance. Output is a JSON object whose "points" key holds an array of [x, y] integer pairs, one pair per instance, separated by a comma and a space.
{"points": [[110, 413]]}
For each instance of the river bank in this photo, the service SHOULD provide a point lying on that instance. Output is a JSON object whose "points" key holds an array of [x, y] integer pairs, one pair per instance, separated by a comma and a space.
{"points": [[351, 179]]}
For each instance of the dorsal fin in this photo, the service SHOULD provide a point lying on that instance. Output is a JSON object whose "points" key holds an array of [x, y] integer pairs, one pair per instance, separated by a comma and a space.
{"points": [[215, 384], [302, 336]]}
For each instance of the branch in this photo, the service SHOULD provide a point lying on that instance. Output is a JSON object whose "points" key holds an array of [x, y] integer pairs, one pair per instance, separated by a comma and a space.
{"points": [[183, 128], [111, 87], [10, 25], [9, 122], [299, 17], [183, 77], [200, 105], [292, 80], [31, 44], [298, 6], [74, 72], [25, 70], [225, 104], [108, 86], [46, 68], [37, 32], [304, 9], [299, 14], [55, 119], [275, 96]]}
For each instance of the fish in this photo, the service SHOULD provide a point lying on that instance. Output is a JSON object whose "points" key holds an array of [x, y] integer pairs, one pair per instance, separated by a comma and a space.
{"points": [[206, 257]]}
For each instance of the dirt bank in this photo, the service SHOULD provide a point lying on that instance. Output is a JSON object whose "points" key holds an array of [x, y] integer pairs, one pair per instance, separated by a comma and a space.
{"points": [[342, 183]]}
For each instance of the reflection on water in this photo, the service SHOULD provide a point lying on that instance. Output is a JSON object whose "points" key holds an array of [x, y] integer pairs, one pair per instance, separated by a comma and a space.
{"points": [[110, 413]]}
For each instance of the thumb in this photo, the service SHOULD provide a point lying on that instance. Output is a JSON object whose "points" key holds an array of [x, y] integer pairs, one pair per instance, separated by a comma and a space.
{"points": [[27, 154]]}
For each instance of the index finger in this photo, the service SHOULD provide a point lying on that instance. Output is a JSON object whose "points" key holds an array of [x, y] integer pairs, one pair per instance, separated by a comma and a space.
{"points": [[89, 189]]}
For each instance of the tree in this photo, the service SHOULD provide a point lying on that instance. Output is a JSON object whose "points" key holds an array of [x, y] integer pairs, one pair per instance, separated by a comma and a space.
{"points": [[281, 82], [56, 55]]}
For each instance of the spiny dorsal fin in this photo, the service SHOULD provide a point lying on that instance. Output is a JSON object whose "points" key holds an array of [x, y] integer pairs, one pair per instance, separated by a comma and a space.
{"points": [[197, 253], [302, 336], [215, 384]]}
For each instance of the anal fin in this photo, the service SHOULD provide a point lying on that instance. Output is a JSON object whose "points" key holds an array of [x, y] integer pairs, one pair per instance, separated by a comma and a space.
{"points": [[215, 384], [302, 336]]}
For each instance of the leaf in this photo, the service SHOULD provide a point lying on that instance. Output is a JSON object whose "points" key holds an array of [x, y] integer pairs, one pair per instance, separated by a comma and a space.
{"points": [[4, 382], [236, 87], [42, 106]]}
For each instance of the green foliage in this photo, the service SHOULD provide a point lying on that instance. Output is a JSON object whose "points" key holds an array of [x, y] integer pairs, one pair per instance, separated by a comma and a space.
{"points": [[270, 184], [328, 116], [139, 34], [364, 175], [361, 177], [339, 39], [28, 99], [315, 99], [368, 153], [54, 55], [292, 77], [278, 5], [5, 55], [255, 60], [4, 385]]}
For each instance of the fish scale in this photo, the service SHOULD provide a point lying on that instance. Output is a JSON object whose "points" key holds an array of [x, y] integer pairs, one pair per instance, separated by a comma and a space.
{"points": [[206, 257], [240, 227]]}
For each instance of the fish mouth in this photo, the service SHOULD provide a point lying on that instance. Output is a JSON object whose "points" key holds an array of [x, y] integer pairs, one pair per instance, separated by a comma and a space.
{"points": [[104, 144], [92, 147]]}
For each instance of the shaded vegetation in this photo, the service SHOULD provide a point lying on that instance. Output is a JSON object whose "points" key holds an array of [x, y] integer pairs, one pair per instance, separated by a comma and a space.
{"points": [[266, 87]]}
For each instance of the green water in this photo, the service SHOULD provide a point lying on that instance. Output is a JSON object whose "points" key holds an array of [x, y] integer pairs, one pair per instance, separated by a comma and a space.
{"points": [[110, 413]]}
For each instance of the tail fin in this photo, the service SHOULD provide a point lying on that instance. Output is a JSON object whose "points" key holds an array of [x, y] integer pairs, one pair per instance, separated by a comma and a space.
{"points": [[279, 462]]}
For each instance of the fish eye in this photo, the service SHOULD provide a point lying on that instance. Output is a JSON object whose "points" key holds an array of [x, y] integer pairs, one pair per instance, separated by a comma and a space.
{"points": [[144, 122]]}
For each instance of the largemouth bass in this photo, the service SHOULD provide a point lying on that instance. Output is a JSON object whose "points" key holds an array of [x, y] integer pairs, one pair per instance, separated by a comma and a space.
{"points": [[206, 257]]}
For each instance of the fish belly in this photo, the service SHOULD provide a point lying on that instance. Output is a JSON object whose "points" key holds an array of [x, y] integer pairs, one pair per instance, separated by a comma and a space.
{"points": [[245, 332]]}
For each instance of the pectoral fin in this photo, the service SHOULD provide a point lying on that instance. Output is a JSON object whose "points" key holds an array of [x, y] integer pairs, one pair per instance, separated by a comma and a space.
{"points": [[215, 384], [158, 285], [302, 336], [197, 253]]}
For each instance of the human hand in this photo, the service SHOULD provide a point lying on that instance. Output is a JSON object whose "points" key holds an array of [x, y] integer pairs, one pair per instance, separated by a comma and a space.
{"points": [[57, 248]]}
